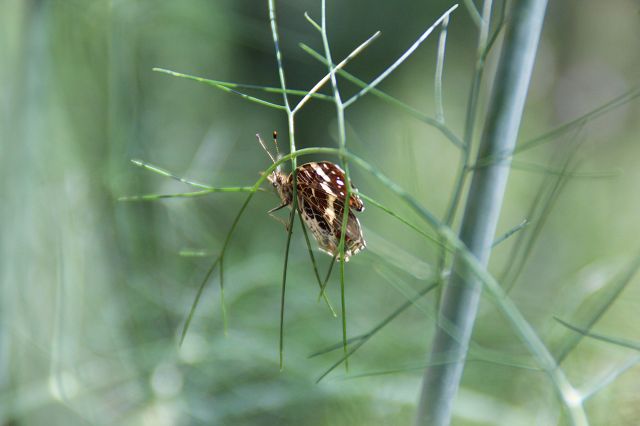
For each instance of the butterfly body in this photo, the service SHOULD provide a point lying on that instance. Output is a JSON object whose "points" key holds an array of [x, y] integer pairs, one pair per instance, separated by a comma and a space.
{"points": [[321, 193]]}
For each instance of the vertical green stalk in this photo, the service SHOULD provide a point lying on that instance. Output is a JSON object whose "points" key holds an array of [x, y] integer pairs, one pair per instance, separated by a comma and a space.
{"points": [[292, 149], [472, 110], [342, 141], [462, 293]]}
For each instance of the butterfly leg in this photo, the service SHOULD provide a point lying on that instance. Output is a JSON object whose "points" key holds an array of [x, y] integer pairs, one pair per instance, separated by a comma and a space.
{"points": [[279, 219], [275, 209]]}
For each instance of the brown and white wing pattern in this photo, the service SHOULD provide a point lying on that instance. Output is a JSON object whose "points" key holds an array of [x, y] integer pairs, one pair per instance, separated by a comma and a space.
{"points": [[321, 200]]}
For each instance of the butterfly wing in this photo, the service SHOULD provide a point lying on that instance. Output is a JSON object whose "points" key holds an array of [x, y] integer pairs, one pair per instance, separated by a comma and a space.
{"points": [[334, 176], [321, 199]]}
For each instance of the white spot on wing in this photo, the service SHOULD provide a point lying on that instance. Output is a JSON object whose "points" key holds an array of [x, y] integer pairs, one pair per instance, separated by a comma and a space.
{"points": [[321, 173], [326, 188], [330, 213]]}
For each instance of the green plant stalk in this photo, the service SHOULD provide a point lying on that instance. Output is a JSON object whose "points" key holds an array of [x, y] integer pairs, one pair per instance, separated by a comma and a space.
{"points": [[472, 110], [342, 141], [446, 131], [605, 108], [292, 149], [611, 377], [462, 293], [231, 85], [401, 59], [612, 293], [442, 43]]}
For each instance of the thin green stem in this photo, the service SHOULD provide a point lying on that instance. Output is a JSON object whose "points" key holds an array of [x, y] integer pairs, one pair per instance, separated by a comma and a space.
{"points": [[313, 23], [605, 108], [540, 209], [364, 338], [194, 194], [163, 172], [510, 232], [609, 296], [401, 59], [292, 219], [472, 111], [196, 300], [612, 376], [231, 85], [224, 88], [276, 43], [342, 140], [327, 77], [630, 344], [540, 168], [236, 220], [401, 219], [442, 43], [292, 150], [446, 131], [496, 32], [328, 275], [473, 12]]}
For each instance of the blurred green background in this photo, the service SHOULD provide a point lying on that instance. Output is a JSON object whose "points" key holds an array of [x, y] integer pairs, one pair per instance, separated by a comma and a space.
{"points": [[94, 291]]}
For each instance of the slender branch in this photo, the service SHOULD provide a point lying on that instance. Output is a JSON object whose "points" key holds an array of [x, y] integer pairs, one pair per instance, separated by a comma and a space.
{"points": [[510, 232], [222, 86], [442, 43], [401, 59], [446, 131], [293, 159], [341, 65], [167, 173], [472, 110], [473, 12], [194, 194], [342, 141], [231, 85]]}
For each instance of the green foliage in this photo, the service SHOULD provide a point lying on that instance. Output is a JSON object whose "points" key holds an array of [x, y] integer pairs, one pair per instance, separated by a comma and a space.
{"points": [[111, 312]]}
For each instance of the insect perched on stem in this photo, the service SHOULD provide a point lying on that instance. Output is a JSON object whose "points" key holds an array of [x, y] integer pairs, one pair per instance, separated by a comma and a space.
{"points": [[321, 200]]}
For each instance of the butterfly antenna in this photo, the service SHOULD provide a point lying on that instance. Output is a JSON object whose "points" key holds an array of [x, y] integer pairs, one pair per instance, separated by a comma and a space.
{"points": [[275, 141], [261, 142]]}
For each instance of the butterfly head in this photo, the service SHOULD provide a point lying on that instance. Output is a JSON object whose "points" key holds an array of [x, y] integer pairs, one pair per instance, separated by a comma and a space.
{"points": [[277, 178], [281, 183]]}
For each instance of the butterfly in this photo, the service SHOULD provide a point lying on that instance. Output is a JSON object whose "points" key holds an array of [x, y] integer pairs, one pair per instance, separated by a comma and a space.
{"points": [[321, 193]]}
